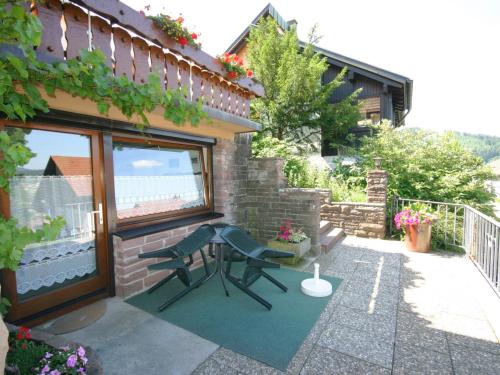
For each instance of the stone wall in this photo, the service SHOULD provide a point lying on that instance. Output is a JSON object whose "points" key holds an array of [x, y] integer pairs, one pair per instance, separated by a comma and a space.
{"points": [[356, 218], [361, 219], [269, 201]]}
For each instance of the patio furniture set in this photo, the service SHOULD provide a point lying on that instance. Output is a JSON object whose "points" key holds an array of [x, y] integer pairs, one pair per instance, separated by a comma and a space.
{"points": [[227, 244]]}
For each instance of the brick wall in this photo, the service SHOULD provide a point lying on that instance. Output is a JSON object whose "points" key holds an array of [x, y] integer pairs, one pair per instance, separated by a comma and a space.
{"points": [[269, 201], [361, 219]]}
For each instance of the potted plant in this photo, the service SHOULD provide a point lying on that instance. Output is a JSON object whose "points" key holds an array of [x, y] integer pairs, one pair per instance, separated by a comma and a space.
{"points": [[292, 240], [234, 66], [416, 221]]}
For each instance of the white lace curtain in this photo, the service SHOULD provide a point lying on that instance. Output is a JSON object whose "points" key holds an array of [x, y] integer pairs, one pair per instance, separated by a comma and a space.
{"points": [[73, 253]]}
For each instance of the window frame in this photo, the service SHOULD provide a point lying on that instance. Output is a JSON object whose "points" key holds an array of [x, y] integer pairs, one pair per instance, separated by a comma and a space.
{"points": [[144, 220]]}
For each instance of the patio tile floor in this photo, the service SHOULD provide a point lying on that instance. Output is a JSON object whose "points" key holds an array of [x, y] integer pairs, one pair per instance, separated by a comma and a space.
{"points": [[396, 312]]}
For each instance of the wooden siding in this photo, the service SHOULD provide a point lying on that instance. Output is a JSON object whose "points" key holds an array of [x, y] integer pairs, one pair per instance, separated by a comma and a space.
{"points": [[370, 87]]}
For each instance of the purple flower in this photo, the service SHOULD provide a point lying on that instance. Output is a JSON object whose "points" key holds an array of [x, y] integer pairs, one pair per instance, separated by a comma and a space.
{"points": [[54, 372], [81, 370], [45, 369], [48, 355], [71, 362], [81, 352]]}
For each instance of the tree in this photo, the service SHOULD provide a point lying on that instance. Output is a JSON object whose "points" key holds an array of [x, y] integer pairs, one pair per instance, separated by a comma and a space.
{"points": [[429, 166], [296, 103]]}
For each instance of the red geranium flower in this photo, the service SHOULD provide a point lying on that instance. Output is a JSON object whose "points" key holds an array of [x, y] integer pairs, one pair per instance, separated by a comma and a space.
{"points": [[24, 345], [232, 75], [180, 20], [249, 74], [194, 36], [182, 41]]}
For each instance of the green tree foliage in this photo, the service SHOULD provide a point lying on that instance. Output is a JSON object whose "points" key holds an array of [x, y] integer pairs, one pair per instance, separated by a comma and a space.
{"points": [[485, 146], [296, 103], [429, 166]]}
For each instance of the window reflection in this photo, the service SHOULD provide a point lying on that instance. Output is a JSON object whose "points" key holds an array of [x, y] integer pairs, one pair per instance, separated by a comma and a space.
{"points": [[153, 178]]}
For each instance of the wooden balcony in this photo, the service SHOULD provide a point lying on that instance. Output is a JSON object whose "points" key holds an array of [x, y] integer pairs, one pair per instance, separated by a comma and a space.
{"points": [[134, 47]]}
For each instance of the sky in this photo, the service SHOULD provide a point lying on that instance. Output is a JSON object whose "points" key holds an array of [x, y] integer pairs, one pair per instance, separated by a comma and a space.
{"points": [[449, 48]]}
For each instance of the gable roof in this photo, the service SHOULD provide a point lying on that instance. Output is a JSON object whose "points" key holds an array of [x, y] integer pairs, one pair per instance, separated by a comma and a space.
{"points": [[370, 71], [77, 171]]}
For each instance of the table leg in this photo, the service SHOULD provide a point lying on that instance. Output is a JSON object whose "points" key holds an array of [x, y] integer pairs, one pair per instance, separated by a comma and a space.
{"points": [[220, 267]]}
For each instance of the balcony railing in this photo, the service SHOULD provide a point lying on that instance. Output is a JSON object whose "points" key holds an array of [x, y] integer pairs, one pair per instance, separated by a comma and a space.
{"points": [[460, 225], [134, 47]]}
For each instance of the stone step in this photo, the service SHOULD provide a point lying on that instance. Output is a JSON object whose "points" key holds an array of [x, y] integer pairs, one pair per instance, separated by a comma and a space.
{"points": [[325, 226], [328, 240]]}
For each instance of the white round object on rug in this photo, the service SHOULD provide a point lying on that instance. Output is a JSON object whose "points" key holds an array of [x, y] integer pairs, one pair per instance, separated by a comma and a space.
{"points": [[316, 287]]}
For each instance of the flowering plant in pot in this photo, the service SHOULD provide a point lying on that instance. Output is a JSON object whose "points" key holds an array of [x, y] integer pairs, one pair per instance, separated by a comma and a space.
{"points": [[291, 239], [415, 222], [174, 28], [234, 66]]}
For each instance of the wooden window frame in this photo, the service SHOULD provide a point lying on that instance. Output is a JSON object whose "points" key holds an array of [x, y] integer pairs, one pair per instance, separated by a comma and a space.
{"points": [[144, 220]]}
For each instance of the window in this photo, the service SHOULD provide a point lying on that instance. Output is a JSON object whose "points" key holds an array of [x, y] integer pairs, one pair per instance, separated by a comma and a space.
{"points": [[158, 179]]}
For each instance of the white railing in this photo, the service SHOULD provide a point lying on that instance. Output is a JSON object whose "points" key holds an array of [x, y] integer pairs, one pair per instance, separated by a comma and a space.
{"points": [[462, 226]]}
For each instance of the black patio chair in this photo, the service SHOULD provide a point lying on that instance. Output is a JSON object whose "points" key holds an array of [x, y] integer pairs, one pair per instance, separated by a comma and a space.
{"points": [[255, 254], [184, 248]]}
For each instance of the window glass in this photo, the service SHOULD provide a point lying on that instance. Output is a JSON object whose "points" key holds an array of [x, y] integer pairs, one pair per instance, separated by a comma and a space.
{"points": [[57, 181], [154, 178]]}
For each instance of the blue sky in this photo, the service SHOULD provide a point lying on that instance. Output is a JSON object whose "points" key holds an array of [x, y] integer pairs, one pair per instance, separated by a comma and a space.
{"points": [[449, 48]]}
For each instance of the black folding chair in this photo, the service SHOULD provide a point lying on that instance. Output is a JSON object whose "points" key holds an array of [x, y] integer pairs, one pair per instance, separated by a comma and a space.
{"points": [[255, 254], [184, 248]]}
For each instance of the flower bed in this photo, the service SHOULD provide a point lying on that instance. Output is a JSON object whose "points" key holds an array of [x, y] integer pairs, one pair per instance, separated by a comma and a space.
{"points": [[45, 354]]}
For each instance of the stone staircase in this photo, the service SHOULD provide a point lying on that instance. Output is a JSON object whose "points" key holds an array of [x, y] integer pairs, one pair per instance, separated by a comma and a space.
{"points": [[329, 235]]}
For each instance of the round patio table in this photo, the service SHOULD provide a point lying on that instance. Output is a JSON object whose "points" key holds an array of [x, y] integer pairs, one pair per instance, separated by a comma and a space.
{"points": [[218, 241]]}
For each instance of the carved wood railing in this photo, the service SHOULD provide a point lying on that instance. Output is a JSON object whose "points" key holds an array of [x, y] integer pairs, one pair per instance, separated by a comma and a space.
{"points": [[134, 46]]}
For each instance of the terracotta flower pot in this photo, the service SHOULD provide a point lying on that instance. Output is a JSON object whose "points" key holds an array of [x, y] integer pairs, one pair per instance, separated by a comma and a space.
{"points": [[418, 238]]}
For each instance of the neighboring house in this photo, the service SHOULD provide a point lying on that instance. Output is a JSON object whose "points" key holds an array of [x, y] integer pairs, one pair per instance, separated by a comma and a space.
{"points": [[122, 191], [385, 95]]}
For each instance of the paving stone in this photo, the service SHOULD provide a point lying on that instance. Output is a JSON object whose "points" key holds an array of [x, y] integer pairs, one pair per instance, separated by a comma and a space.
{"points": [[417, 360], [457, 325], [474, 343], [324, 361], [243, 364], [379, 303], [360, 344], [212, 367], [469, 361], [383, 326], [416, 331]]}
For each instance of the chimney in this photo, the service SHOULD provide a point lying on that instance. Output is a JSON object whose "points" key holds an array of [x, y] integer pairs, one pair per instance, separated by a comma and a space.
{"points": [[292, 23]]}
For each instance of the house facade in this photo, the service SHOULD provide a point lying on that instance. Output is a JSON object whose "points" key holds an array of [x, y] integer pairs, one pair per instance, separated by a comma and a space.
{"points": [[121, 190], [385, 95]]}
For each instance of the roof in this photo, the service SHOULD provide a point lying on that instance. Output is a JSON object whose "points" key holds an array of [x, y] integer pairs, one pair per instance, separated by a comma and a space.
{"points": [[76, 170], [371, 71], [72, 165]]}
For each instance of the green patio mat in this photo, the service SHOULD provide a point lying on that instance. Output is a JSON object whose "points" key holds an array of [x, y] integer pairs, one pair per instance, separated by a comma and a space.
{"points": [[240, 323]]}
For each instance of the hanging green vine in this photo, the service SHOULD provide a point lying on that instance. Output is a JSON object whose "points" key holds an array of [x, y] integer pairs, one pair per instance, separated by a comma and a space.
{"points": [[21, 78]]}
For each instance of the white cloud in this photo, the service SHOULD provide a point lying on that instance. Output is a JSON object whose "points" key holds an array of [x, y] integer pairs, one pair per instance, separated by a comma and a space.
{"points": [[146, 164]]}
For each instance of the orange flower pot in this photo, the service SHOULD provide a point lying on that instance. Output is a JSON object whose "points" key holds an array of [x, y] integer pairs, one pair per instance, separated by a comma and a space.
{"points": [[418, 238]]}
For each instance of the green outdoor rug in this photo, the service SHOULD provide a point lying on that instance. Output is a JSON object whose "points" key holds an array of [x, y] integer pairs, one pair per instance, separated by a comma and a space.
{"points": [[240, 323]]}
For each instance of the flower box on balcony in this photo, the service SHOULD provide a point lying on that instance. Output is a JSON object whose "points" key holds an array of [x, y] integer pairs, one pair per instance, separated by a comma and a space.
{"points": [[299, 249]]}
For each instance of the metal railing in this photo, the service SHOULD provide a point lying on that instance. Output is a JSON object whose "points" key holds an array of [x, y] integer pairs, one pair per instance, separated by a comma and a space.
{"points": [[462, 226]]}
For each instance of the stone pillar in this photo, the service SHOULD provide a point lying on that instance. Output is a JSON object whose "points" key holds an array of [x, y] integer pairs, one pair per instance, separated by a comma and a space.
{"points": [[376, 186]]}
